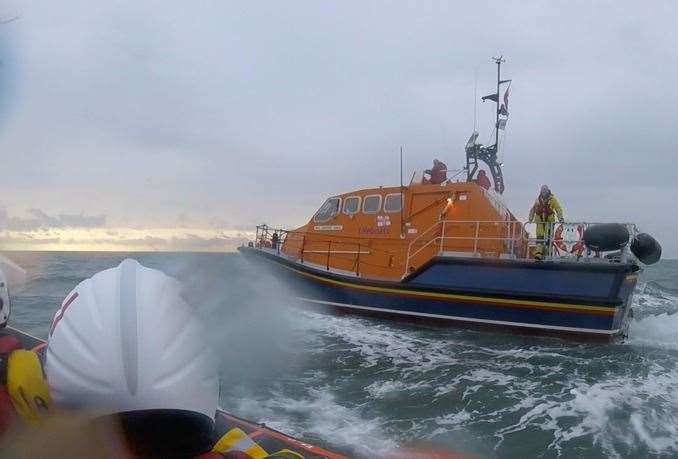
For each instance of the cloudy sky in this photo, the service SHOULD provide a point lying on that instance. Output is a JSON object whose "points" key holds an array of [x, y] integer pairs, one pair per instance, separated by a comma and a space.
{"points": [[180, 125]]}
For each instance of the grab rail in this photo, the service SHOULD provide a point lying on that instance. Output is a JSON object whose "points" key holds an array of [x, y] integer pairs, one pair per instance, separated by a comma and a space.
{"points": [[506, 238], [264, 238], [560, 239], [510, 230]]}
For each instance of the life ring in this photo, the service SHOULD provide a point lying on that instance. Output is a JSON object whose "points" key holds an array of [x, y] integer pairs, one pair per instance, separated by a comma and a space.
{"points": [[575, 247]]}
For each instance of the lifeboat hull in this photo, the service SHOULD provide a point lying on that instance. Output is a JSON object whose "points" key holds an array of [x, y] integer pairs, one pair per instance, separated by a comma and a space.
{"points": [[577, 300]]}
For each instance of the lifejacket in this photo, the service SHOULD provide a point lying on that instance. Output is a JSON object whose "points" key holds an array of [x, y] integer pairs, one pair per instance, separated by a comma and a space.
{"points": [[543, 207], [484, 182]]}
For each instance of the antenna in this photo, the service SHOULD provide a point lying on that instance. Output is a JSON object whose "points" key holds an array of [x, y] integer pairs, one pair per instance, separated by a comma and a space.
{"points": [[488, 154], [475, 99], [402, 195], [498, 61]]}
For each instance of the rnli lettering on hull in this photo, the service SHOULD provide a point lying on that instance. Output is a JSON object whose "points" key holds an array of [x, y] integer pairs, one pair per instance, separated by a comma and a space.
{"points": [[372, 230], [328, 227]]}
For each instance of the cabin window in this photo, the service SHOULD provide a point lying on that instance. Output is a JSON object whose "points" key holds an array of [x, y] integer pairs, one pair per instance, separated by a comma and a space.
{"points": [[371, 204], [352, 205], [393, 202], [328, 210]]}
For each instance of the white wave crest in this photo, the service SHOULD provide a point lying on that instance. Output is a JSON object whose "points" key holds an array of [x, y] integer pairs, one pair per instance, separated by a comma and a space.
{"points": [[657, 331], [318, 413], [602, 413]]}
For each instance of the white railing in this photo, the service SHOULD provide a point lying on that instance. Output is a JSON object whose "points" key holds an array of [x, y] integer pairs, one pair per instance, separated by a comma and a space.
{"points": [[512, 235], [518, 240], [566, 240]]}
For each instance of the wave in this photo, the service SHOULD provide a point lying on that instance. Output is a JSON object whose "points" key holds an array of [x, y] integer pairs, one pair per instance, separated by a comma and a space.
{"points": [[318, 414], [656, 317], [659, 330], [604, 411], [500, 389]]}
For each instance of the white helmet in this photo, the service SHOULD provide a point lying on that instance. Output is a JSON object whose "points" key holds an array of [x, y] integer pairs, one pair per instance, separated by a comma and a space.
{"points": [[125, 342], [5, 306], [11, 276]]}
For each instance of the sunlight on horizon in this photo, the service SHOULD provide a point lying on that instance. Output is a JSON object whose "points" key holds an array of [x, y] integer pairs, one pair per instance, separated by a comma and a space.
{"points": [[125, 239]]}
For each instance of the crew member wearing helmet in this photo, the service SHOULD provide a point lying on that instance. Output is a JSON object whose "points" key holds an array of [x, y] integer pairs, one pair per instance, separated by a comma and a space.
{"points": [[127, 355], [544, 212], [483, 180], [437, 174], [125, 346]]}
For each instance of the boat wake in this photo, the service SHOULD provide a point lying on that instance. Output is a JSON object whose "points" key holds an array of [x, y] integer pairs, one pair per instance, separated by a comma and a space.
{"points": [[486, 394], [318, 417], [656, 322]]}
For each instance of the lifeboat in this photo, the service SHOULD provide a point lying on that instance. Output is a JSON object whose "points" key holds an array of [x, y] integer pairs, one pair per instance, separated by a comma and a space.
{"points": [[452, 253]]}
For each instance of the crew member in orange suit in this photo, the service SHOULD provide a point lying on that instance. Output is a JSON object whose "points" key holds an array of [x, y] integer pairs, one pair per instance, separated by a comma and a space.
{"points": [[438, 174], [483, 180]]}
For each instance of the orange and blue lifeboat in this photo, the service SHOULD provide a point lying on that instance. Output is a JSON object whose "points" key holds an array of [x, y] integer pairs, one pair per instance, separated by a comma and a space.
{"points": [[452, 254]]}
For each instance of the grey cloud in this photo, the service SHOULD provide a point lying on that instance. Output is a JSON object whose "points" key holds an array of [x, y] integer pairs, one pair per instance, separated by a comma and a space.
{"points": [[234, 114], [39, 220], [82, 221]]}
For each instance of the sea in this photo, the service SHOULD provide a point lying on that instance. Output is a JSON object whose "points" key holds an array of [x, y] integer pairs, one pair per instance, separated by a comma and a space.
{"points": [[365, 387]]}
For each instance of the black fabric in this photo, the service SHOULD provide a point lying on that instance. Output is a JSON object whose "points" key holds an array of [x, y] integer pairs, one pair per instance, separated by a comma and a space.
{"points": [[165, 433]]}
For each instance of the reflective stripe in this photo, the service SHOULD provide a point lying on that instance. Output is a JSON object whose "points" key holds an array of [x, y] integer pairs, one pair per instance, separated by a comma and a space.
{"points": [[464, 298], [237, 440], [466, 319]]}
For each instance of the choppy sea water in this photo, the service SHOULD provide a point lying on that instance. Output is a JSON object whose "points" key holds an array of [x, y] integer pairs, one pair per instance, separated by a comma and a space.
{"points": [[365, 386]]}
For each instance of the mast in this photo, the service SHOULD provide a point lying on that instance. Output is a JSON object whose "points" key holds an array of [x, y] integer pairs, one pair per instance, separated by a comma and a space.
{"points": [[402, 196], [475, 151], [498, 61]]}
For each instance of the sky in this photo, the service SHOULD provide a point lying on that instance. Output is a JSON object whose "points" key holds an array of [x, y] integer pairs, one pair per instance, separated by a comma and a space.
{"points": [[176, 125]]}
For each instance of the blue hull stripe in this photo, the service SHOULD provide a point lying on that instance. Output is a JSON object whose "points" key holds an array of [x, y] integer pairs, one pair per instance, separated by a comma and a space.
{"points": [[314, 286]]}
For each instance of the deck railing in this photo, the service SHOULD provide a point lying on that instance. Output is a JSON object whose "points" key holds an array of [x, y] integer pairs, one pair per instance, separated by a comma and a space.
{"points": [[298, 245], [508, 239], [470, 238]]}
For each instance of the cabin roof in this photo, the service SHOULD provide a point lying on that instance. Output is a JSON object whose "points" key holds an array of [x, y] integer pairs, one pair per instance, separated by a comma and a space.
{"points": [[414, 188]]}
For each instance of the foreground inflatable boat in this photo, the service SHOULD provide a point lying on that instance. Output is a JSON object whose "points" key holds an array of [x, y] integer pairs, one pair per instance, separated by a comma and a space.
{"points": [[267, 438]]}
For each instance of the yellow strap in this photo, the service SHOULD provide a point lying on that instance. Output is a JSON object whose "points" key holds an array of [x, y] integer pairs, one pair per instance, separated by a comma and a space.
{"points": [[27, 386], [287, 453], [237, 440]]}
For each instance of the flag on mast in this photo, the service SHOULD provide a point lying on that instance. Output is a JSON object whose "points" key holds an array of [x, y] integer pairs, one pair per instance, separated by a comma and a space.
{"points": [[503, 110], [506, 94]]}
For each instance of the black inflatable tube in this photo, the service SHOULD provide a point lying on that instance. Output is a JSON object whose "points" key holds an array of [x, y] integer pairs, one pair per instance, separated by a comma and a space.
{"points": [[606, 236]]}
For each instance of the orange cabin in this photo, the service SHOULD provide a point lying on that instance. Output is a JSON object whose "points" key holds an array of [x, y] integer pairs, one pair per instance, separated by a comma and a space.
{"points": [[387, 232]]}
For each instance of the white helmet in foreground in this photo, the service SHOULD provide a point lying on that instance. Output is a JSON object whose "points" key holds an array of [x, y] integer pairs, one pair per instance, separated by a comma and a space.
{"points": [[5, 306], [125, 343], [12, 277]]}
